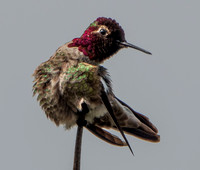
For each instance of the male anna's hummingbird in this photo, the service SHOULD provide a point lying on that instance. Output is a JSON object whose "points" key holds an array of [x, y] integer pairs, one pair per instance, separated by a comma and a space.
{"points": [[73, 79]]}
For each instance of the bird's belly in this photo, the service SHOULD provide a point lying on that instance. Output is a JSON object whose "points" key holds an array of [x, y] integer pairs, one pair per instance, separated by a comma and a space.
{"points": [[95, 112], [61, 98]]}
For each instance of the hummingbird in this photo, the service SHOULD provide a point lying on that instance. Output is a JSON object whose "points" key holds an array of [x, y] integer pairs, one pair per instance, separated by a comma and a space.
{"points": [[73, 80]]}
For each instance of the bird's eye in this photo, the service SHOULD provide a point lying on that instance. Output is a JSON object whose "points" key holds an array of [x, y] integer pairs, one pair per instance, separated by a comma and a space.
{"points": [[103, 31]]}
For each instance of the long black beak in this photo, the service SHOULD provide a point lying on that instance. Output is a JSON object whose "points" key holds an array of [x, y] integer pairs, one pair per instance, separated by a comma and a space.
{"points": [[126, 44]]}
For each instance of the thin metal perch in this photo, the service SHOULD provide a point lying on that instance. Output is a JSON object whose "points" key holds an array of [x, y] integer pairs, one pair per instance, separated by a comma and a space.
{"points": [[80, 122], [77, 152]]}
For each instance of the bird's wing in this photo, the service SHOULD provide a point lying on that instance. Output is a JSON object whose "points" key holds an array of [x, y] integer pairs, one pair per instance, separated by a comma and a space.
{"points": [[140, 116], [131, 122]]}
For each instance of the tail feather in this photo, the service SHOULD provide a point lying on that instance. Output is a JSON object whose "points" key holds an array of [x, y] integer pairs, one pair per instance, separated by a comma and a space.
{"points": [[140, 133], [105, 135]]}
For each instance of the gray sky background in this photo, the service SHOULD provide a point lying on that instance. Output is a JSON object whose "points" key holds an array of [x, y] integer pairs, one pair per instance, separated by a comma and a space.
{"points": [[164, 86]]}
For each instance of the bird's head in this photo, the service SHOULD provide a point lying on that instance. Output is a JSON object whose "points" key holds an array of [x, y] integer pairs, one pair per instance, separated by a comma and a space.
{"points": [[103, 38]]}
